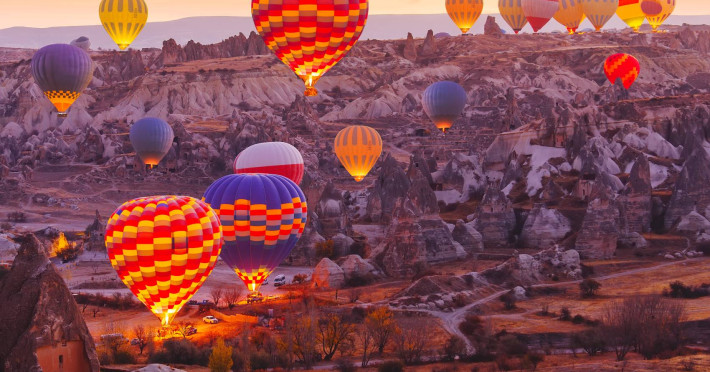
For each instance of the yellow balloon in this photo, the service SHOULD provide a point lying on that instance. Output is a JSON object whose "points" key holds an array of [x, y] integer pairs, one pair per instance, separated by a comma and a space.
{"points": [[123, 19], [570, 14], [358, 147], [512, 13], [464, 12], [599, 12], [657, 19], [631, 13]]}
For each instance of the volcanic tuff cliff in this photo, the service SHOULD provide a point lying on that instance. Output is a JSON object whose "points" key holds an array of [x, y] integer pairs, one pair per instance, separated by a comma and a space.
{"points": [[544, 137]]}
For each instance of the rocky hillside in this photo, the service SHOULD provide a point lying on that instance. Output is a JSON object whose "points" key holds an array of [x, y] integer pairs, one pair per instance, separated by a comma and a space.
{"points": [[547, 152]]}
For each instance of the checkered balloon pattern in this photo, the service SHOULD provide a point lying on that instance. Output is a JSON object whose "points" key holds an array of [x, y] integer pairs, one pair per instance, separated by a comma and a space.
{"points": [[310, 36], [622, 66], [262, 216], [163, 248]]}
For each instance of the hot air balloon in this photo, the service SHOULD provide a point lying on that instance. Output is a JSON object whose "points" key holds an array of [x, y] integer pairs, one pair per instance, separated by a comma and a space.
{"points": [[62, 71], [123, 19], [443, 102], [310, 36], [512, 13], [622, 66], [464, 13], [272, 158], [358, 147], [657, 11], [570, 14], [263, 216], [631, 13], [599, 12], [152, 138], [163, 248], [539, 12]]}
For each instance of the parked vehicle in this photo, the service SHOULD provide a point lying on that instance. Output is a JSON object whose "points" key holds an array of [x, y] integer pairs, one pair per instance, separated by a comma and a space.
{"points": [[189, 331], [113, 337], [209, 319], [279, 280]]}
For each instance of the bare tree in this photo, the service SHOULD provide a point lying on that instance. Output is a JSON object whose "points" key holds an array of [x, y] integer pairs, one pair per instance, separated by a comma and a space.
{"points": [[233, 296], [332, 333], [354, 294], [183, 328], [95, 311], [217, 293], [144, 336], [382, 324], [367, 341], [411, 340], [303, 333]]}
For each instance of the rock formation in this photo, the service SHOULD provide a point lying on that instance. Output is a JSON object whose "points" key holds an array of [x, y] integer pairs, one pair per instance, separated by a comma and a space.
{"points": [[466, 235], [327, 274], [691, 189], [491, 27], [410, 49], [544, 227], [599, 233], [234, 46], [495, 219], [636, 199]]}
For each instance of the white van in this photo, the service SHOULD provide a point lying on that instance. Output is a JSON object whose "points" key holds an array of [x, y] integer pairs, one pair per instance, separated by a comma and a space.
{"points": [[279, 280]]}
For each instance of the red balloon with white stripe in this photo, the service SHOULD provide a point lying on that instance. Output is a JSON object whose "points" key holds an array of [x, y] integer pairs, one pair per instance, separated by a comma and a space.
{"points": [[271, 158], [539, 12]]}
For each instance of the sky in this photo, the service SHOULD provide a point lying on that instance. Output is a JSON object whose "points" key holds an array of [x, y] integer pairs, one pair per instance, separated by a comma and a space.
{"points": [[48, 13]]}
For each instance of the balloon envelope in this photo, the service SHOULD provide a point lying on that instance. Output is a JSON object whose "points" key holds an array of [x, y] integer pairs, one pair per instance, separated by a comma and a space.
{"points": [[272, 158], [443, 102], [512, 13], [310, 36], [152, 138], [599, 12], [631, 13], [570, 14], [123, 19], [163, 248], [539, 12], [657, 11], [622, 66], [62, 71], [263, 216], [464, 13], [358, 147]]}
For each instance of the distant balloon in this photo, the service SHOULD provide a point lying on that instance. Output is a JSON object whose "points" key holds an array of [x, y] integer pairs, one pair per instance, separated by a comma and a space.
{"points": [[657, 11], [310, 36], [512, 13], [442, 35], [152, 138], [163, 248], [263, 216], [599, 12], [62, 71], [358, 147], [272, 158], [123, 19], [444, 102], [82, 42], [464, 13], [539, 12], [622, 66], [631, 13], [570, 14]]}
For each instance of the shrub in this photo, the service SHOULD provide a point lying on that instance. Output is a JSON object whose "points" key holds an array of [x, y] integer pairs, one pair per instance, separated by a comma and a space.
{"points": [[530, 361], [453, 347], [589, 287], [508, 300], [592, 341], [221, 357], [325, 249], [344, 365], [678, 289], [300, 278], [391, 366], [512, 345], [124, 355], [181, 351], [578, 319], [566, 314], [259, 361]]}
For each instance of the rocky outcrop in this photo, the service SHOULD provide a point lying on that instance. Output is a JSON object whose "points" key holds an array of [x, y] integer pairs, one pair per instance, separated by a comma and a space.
{"points": [[331, 213], [491, 27], [392, 184], [235, 46], [599, 233], [495, 219], [41, 322], [410, 49], [327, 274], [635, 201], [428, 48], [544, 228], [466, 235], [691, 190], [355, 266]]}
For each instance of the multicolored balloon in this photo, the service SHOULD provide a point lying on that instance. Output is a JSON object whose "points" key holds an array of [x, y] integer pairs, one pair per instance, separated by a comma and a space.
{"points": [[570, 14], [512, 13], [622, 66], [152, 138], [464, 13], [657, 11], [444, 102], [599, 12], [631, 13], [310, 36], [263, 216], [163, 248], [123, 19], [272, 158], [358, 147], [62, 71], [539, 12]]}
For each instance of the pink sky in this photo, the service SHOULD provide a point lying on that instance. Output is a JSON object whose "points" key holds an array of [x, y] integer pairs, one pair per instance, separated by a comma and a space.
{"points": [[47, 13]]}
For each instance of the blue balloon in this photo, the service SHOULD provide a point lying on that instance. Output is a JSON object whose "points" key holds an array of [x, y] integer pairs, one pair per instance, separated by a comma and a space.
{"points": [[152, 138], [443, 102]]}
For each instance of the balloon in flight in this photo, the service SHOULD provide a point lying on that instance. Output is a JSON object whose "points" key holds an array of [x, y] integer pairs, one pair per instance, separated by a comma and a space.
{"points": [[262, 216], [358, 147], [599, 12], [512, 13], [539, 12], [444, 102], [464, 13], [570, 14], [622, 66], [273, 158], [657, 11], [163, 248], [123, 19], [152, 138], [62, 71], [310, 36], [631, 13]]}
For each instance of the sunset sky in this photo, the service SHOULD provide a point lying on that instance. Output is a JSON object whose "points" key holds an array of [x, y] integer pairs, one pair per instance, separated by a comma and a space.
{"points": [[47, 13]]}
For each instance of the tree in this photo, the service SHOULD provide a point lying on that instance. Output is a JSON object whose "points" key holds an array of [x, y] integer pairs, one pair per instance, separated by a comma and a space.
{"points": [[382, 324], [221, 357], [304, 338], [332, 333], [184, 329], [589, 287], [216, 294], [367, 341], [411, 340], [592, 341], [144, 336], [508, 299], [454, 347], [233, 296]]}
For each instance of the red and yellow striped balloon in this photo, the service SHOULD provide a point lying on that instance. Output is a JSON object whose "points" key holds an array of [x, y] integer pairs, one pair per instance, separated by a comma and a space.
{"points": [[622, 66], [310, 36], [163, 248]]}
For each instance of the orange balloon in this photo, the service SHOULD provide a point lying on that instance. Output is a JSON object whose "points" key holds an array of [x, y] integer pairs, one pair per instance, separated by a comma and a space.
{"points": [[464, 13], [358, 147]]}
